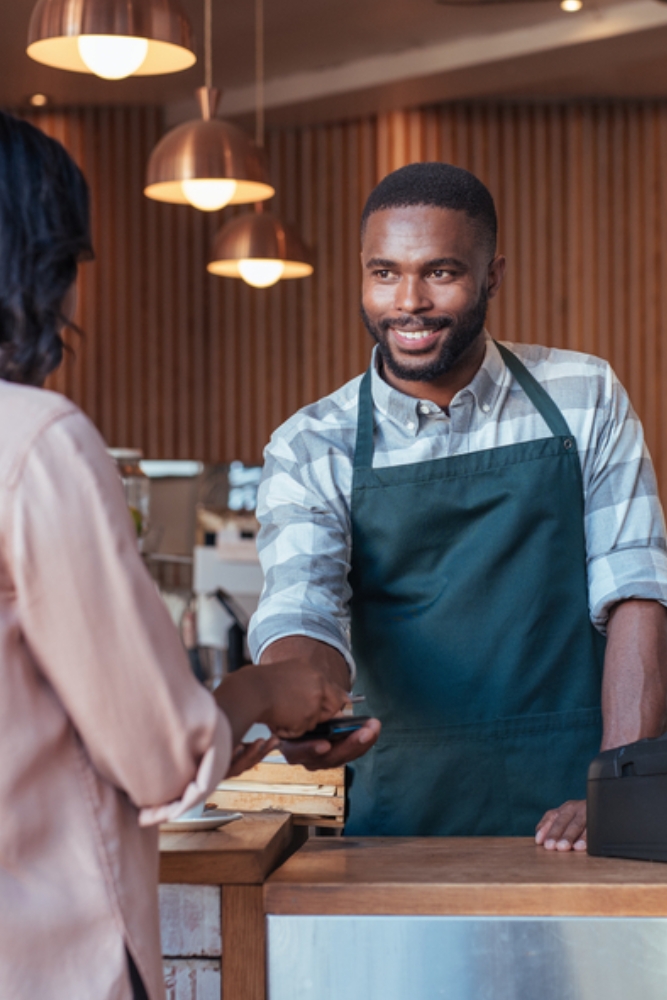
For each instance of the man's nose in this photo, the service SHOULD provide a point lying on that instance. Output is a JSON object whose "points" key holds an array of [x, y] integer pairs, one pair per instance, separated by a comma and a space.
{"points": [[412, 295]]}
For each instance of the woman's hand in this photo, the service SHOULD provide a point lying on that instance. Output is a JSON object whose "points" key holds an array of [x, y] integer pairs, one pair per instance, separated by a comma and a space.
{"points": [[289, 696], [246, 755]]}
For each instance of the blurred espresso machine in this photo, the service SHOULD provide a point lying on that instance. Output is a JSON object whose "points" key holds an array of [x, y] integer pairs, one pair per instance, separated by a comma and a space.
{"points": [[199, 545], [227, 583]]}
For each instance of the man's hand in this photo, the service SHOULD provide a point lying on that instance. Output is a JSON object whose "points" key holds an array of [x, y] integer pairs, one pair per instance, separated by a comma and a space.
{"points": [[563, 829], [298, 697], [290, 697], [634, 697], [316, 754]]}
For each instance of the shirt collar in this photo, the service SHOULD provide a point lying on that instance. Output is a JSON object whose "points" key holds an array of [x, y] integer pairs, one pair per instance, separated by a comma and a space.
{"points": [[484, 389]]}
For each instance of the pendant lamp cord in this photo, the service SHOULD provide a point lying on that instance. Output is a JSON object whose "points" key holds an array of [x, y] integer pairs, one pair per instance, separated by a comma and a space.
{"points": [[259, 72], [208, 45]]}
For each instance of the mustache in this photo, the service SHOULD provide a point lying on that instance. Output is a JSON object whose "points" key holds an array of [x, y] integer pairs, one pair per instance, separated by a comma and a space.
{"points": [[411, 323]]}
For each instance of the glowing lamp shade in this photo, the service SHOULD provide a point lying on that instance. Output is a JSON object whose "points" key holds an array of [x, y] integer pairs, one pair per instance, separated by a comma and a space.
{"points": [[261, 250], [209, 196], [112, 38], [112, 57], [571, 6], [261, 273], [207, 163]]}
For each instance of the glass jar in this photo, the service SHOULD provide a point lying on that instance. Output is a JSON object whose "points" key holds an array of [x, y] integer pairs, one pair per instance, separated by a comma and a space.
{"points": [[137, 488]]}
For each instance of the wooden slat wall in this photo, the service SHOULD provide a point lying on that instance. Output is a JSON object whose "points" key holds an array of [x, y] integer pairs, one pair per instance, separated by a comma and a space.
{"points": [[184, 364], [581, 191]]}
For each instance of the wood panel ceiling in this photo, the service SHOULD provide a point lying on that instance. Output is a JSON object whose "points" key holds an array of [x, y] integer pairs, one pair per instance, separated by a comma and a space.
{"points": [[329, 60]]}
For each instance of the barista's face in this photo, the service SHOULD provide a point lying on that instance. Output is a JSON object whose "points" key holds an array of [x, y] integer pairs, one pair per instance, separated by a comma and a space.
{"points": [[427, 277]]}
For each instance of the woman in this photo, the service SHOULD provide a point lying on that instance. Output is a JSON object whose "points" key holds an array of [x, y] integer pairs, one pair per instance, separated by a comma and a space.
{"points": [[104, 731]]}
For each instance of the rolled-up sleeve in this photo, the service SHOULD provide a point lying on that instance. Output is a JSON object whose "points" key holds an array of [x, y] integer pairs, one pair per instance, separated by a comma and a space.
{"points": [[304, 546], [99, 632], [625, 528]]}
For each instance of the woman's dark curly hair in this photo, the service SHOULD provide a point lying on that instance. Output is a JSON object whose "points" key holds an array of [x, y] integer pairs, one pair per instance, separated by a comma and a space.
{"points": [[44, 233]]}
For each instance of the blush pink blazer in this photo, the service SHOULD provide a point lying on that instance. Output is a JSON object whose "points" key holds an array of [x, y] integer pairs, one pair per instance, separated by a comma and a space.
{"points": [[104, 731]]}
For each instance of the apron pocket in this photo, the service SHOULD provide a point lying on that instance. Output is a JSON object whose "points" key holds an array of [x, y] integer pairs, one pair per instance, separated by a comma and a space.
{"points": [[546, 762], [429, 784], [492, 780]]}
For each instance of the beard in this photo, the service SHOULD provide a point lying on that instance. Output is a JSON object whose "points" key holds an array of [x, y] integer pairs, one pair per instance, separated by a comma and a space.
{"points": [[462, 333]]}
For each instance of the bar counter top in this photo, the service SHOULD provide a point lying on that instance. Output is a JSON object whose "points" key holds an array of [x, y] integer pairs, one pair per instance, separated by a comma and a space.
{"points": [[242, 852], [461, 876]]}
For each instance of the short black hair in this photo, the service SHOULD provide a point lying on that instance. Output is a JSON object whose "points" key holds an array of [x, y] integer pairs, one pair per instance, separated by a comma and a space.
{"points": [[441, 185], [44, 233]]}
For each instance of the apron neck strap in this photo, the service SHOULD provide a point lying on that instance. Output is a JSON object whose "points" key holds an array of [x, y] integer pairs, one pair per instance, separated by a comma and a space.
{"points": [[538, 396], [363, 452]]}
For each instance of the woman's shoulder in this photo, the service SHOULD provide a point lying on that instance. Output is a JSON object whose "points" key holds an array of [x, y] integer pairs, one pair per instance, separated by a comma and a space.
{"points": [[25, 413], [32, 402]]}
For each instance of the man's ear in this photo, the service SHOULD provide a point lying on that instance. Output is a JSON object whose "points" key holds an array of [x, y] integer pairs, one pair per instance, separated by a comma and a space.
{"points": [[495, 275]]}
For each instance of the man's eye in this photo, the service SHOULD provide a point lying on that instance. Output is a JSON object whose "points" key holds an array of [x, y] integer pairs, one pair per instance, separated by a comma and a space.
{"points": [[382, 273], [440, 272]]}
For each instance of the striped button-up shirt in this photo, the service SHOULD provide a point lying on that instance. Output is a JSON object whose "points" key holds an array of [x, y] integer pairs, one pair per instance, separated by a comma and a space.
{"points": [[305, 542]]}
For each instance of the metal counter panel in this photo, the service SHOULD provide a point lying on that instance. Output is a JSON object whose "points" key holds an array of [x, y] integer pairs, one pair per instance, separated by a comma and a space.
{"points": [[466, 958]]}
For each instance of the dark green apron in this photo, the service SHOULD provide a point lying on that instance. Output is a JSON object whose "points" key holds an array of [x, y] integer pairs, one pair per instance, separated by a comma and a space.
{"points": [[471, 634]]}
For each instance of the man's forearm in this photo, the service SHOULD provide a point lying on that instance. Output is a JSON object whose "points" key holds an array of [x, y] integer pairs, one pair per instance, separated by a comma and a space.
{"points": [[318, 654], [634, 702], [634, 685]]}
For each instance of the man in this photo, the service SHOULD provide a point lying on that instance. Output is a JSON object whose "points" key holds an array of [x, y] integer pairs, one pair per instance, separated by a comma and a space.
{"points": [[463, 527]]}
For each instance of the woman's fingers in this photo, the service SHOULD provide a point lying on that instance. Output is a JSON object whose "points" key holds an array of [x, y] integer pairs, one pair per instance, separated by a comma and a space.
{"points": [[246, 755]]}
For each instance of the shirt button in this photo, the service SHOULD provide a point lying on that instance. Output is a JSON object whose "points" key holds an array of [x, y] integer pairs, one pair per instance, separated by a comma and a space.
{"points": [[424, 408], [486, 407], [410, 426]]}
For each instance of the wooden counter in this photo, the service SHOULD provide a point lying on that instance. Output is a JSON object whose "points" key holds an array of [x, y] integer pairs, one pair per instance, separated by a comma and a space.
{"points": [[210, 893], [510, 877], [416, 919], [242, 853]]}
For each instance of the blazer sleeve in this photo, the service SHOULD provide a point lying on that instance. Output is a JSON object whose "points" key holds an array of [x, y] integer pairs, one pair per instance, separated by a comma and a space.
{"points": [[99, 632]]}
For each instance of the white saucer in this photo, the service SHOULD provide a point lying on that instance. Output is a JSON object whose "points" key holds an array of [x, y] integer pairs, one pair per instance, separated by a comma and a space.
{"points": [[211, 820]]}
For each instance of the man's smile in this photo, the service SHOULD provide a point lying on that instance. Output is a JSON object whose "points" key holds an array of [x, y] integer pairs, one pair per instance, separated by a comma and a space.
{"points": [[415, 340]]}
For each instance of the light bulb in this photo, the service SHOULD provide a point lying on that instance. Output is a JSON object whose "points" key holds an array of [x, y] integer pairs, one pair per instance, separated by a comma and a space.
{"points": [[571, 6], [261, 272], [209, 195], [112, 57]]}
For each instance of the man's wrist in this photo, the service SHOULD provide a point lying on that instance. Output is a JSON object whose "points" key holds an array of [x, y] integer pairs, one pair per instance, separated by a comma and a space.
{"points": [[318, 654]]}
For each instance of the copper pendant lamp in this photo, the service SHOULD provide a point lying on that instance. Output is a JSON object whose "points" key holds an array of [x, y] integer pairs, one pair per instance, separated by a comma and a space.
{"points": [[112, 38], [207, 163], [569, 6], [259, 247]]}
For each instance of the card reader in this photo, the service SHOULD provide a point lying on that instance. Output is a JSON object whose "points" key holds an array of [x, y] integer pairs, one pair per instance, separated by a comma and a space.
{"points": [[627, 801]]}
